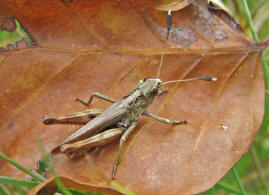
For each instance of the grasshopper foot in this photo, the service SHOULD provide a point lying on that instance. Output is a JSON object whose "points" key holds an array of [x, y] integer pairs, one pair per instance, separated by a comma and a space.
{"points": [[179, 122], [47, 120], [114, 171]]}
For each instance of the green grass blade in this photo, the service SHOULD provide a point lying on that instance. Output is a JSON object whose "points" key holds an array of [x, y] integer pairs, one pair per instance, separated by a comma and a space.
{"points": [[265, 122], [121, 188], [237, 178], [258, 166], [61, 187], [19, 190], [211, 191], [57, 180], [250, 21], [265, 68], [81, 192], [228, 188], [20, 182], [3, 191], [34, 175]]}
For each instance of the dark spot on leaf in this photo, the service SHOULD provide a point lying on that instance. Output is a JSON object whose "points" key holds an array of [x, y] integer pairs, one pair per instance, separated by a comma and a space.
{"points": [[114, 53], [10, 125]]}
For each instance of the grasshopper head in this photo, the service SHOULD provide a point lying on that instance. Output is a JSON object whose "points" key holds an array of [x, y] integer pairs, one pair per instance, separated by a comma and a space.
{"points": [[150, 87]]}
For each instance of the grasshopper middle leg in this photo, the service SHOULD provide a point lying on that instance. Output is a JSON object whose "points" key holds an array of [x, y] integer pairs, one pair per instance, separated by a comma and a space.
{"points": [[96, 94], [122, 140], [162, 119]]}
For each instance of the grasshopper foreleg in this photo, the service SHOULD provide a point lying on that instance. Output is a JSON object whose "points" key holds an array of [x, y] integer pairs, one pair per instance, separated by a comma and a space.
{"points": [[96, 94], [122, 140], [79, 118], [162, 119], [162, 91]]}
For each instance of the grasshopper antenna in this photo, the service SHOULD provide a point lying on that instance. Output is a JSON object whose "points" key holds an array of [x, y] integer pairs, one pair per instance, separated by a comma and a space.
{"points": [[193, 79], [169, 23]]}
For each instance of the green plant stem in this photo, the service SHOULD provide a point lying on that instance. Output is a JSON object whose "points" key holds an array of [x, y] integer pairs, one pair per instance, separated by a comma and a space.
{"points": [[258, 166], [15, 181], [34, 175], [228, 188], [249, 21], [237, 178], [61, 187], [211, 191], [265, 122], [19, 190]]}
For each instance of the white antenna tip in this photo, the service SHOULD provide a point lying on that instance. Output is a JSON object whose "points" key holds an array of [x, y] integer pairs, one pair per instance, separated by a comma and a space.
{"points": [[214, 79]]}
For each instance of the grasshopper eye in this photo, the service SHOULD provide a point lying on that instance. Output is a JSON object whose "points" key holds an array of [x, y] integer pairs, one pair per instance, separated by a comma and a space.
{"points": [[159, 83]]}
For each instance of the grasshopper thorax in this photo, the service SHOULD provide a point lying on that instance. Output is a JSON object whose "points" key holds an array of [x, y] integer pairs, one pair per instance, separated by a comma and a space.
{"points": [[149, 86]]}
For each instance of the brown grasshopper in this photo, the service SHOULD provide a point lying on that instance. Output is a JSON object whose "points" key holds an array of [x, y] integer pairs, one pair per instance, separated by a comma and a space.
{"points": [[119, 120]]}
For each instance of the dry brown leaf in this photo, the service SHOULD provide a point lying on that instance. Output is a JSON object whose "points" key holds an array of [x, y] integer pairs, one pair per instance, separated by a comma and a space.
{"points": [[108, 46], [49, 187]]}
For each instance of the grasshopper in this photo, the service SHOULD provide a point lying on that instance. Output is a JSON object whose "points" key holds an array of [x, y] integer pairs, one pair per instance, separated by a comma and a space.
{"points": [[119, 120]]}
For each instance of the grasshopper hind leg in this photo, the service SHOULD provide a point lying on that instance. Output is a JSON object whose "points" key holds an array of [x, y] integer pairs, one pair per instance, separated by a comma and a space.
{"points": [[77, 118], [100, 139]]}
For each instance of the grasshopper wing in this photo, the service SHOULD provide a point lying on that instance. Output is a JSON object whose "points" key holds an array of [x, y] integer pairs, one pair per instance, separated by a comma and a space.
{"points": [[110, 116]]}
